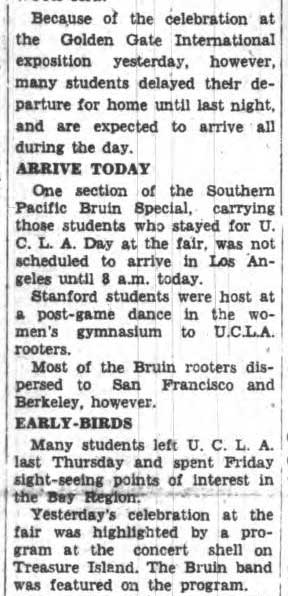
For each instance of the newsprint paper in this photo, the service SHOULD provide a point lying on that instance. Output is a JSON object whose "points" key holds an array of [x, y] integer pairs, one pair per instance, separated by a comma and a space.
{"points": [[143, 302]]}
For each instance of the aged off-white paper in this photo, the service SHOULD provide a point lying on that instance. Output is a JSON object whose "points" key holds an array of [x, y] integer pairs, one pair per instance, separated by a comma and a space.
{"points": [[143, 307]]}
